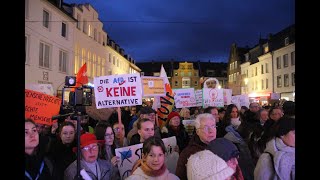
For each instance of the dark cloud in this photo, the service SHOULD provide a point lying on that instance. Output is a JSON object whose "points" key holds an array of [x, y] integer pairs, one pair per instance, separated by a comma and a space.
{"points": [[190, 30]]}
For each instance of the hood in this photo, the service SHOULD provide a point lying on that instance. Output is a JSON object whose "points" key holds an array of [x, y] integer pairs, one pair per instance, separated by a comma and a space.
{"points": [[283, 157], [233, 135]]}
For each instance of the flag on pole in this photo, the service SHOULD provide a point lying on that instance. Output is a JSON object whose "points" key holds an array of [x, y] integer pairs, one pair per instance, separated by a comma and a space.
{"points": [[82, 77], [166, 102]]}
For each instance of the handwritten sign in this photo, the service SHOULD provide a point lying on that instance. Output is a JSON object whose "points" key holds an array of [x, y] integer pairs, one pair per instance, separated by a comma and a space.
{"points": [[227, 93], [198, 94], [213, 97], [118, 90], [130, 154], [40, 107], [184, 97], [153, 86]]}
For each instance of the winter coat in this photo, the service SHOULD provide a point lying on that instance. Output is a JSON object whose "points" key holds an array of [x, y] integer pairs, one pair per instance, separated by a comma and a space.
{"points": [[182, 135], [105, 170], [195, 145], [245, 160], [138, 174], [283, 166]]}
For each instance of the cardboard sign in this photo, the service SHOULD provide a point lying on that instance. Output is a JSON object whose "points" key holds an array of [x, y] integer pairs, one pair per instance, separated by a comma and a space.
{"points": [[213, 97], [41, 107], [153, 86], [130, 154], [198, 94], [118, 90], [184, 97]]}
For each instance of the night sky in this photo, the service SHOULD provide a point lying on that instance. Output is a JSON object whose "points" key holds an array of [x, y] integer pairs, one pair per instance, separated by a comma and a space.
{"points": [[190, 30]]}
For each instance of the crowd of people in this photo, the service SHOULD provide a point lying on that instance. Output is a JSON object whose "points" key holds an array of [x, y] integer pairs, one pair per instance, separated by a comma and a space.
{"points": [[254, 143]]}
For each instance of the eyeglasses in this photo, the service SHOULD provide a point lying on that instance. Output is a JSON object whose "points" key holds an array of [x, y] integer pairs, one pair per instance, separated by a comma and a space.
{"points": [[109, 135], [94, 147], [207, 128], [118, 129]]}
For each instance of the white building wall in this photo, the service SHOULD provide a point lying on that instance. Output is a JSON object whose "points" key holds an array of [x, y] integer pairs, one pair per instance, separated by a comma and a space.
{"points": [[284, 91], [36, 33], [265, 62]]}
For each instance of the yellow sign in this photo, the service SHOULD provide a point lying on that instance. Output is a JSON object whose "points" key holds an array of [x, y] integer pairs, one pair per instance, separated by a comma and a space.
{"points": [[153, 86]]}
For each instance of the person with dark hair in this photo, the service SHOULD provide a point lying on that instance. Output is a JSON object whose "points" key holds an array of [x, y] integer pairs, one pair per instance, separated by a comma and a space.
{"points": [[145, 130], [152, 165], [289, 108], [37, 165], [278, 159], [174, 127], [61, 149], [120, 139], [105, 133]]}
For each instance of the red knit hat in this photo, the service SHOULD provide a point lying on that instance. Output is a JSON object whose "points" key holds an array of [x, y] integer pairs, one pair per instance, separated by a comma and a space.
{"points": [[173, 114], [87, 138]]}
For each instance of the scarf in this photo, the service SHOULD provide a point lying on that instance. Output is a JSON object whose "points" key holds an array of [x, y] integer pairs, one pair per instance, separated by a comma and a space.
{"points": [[147, 170]]}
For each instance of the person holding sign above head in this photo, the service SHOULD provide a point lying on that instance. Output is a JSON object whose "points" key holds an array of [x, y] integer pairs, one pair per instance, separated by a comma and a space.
{"points": [[145, 130], [152, 165]]}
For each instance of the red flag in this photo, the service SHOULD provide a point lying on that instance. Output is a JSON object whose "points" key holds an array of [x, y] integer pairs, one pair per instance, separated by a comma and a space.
{"points": [[82, 77]]}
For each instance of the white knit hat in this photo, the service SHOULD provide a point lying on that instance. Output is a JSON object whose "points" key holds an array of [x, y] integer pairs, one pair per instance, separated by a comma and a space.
{"points": [[206, 165]]}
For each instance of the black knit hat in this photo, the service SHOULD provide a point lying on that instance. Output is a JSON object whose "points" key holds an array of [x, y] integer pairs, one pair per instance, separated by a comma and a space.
{"points": [[284, 125], [146, 110], [223, 148]]}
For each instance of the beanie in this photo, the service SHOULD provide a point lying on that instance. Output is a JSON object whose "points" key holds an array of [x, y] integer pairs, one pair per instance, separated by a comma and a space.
{"points": [[285, 124], [223, 148], [172, 114], [206, 165]]}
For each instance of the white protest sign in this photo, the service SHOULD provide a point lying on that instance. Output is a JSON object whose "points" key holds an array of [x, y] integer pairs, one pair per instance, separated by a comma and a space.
{"points": [[244, 100], [198, 94], [213, 97], [130, 154], [184, 97], [118, 90], [227, 93], [235, 100]]}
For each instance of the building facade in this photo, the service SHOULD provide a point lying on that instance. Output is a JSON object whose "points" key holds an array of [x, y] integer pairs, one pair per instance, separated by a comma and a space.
{"points": [[185, 77], [49, 36]]}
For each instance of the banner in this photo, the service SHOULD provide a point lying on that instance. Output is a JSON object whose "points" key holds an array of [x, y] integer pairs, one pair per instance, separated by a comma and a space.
{"points": [[166, 102], [118, 90], [41, 107], [130, 154]]}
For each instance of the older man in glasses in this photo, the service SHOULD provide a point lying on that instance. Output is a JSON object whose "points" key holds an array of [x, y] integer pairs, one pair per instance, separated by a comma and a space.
{"points": [[90, 164], [206, 131]]}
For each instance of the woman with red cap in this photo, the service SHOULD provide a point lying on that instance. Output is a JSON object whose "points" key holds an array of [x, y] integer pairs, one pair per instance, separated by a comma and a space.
{"points": [[174, 127], [91, 165]]}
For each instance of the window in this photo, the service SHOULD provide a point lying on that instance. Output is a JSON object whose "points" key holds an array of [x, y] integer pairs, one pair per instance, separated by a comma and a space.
{"points": [[45, 21], [189, 74], [252, 73], [109, 57], [64, 29], [117, 62], [256, 85], [293, 79], [262, 69], [256, 71], [196, 83], [63, 61], [230, 67], [262, 84], [114, 60], [78, 21], [279, 83], [293, 58], [90, 30], [286, 41], [175, 74], [235, 64], [230, 80], [266, 49], [286, 80], [267, 83], [182, 74], [278, 63], [285, 60], [95, 34], [44, 55], [267, 69], [84, 29], [176, 83]]}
